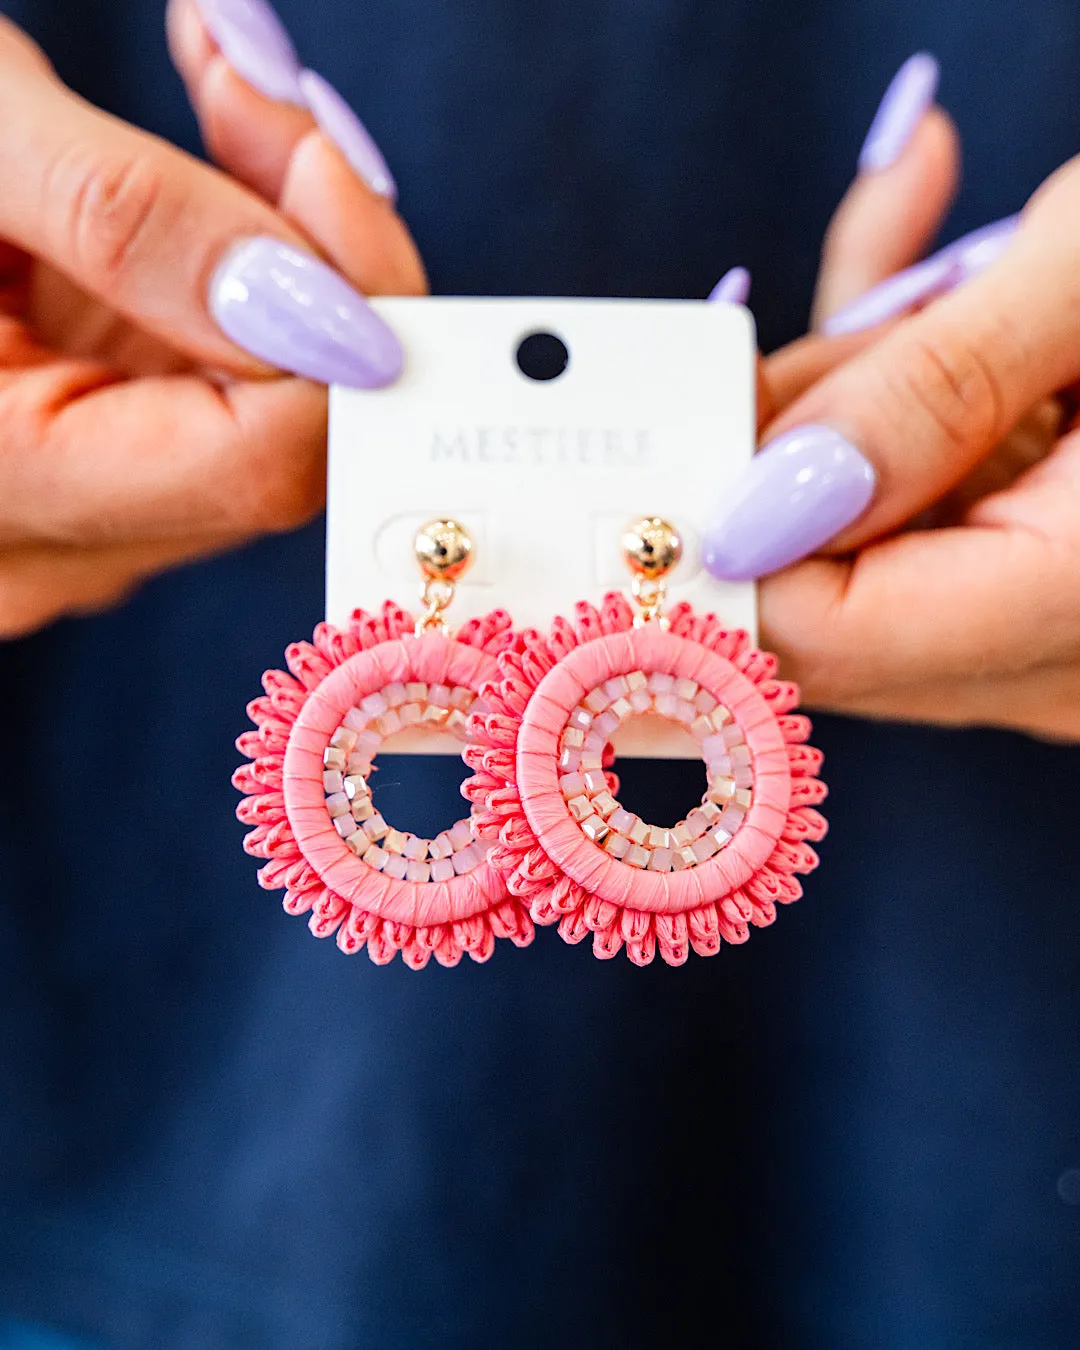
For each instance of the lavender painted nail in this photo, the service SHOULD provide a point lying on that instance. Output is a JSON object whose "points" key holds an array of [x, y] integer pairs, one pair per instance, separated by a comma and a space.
{"points": [[942, 271], [733, 287], [911, 91], [291, 310], [799, 492], [256, 44], [338, 121]]}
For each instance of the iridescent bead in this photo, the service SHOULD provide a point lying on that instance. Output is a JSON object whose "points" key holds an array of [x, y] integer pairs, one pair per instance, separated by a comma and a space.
{"points": [[617, 687], [376, 828], [732, 818], [580, 808], [721, 789], [356, 785], [621, 709], [659, 683], [638, 856], [359, 843], [415, 847], [686, 689], [415, 691], [434, 715], [573, 737], [354, 720], [581, 718], [389, 723], [658, 837], [570, 760], [417, 871], [456, 723], [442, 869], [594, 828], [703, 848], [337, 804], [333, 758], [467, 859], [605, 725], [460, 697], [362, 809], [696, 823], [333, 781], [617, 846], [439, 695], [395, 866], [461, 834], [571, 785], [639, 831], [591, 759], [640, 701], [743, 798], [373, 706], [396, 841], [680, 835], [410, 714], [594, 782], [660, 860], [345, 825], [637, 681], [686, 856], [597, 700], [704, 701], [702, 728], [622, 820], [394, 694], [732, 734], [604, 804], [721, 836], [720, 718], [740, 755], [710, 811], [376, 857], [343, 739], [684, 712], [744, 776], [665, 705], [442, 846]]}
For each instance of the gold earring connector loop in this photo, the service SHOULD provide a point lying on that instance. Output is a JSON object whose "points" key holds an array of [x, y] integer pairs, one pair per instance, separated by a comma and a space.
{"points": [[444, 553], [651, 549]]}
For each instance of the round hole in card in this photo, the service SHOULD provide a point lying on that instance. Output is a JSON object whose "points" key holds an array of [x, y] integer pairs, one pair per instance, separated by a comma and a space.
{"points": [[542, 356]]}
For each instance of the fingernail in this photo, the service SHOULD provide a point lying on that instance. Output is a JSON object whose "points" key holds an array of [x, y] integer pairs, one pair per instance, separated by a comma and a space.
{"points": [[908, 96], [733, 287], [256, 44], [291, 310], [799, 492], [338, 121], [943, 271]]}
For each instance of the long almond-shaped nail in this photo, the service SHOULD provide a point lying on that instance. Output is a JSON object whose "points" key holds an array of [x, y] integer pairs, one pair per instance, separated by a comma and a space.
{"points": [[256, 44], [732, 288], [340, 123], [799, 492], [911, 91], [942, 271], [291, 310]]}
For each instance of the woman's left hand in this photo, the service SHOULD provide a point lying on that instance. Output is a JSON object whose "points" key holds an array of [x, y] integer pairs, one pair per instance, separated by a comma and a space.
{"points": [[928, 471]]}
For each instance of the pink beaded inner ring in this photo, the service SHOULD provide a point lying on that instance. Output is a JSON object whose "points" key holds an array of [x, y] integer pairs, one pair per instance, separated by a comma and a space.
{"points": [[310, 796], [575, 853]]}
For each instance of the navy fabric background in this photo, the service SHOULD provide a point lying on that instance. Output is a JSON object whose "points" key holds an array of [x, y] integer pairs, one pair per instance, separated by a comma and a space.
{"points": [[854, 1132]]}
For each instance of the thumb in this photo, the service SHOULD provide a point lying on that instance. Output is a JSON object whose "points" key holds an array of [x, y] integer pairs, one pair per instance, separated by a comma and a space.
{"points": [[891, 432], [171, 243]]}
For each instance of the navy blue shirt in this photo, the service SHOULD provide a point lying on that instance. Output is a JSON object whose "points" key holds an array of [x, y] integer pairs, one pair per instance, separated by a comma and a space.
{"points": [[860, 1130]]}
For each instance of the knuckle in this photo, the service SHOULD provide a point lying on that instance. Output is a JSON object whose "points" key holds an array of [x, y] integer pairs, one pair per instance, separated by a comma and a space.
{"points": [[952, 384], [279, 493], [114, 203]]}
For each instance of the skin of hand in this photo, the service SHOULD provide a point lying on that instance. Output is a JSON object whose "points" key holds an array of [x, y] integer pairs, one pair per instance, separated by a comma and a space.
{"points": [[954, 597], [134, 435]]}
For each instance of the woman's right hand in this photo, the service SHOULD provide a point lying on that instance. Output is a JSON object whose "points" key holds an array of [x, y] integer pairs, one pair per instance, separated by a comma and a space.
{"points": [[155, 314]]}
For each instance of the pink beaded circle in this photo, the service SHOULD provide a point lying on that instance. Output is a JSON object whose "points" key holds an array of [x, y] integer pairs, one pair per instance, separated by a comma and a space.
{"points": [[568, 846], [309, 794]]}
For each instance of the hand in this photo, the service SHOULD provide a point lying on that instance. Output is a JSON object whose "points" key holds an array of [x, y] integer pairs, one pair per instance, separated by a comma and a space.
{"points": [[137, 429], [932, 468]]}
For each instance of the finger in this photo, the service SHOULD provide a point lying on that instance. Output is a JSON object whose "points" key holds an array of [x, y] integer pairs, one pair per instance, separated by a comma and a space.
{"points": [[888, 218], [158, 236], [324, 173], [892, 431], [993, 597], [40, 585], [90, 461]]}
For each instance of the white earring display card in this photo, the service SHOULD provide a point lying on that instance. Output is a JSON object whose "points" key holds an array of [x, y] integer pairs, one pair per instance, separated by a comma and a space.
{"points": [[544, 427]]}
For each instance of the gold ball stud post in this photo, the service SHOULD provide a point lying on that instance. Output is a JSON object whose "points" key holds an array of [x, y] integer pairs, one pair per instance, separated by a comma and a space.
{"points": [[651, 547], [444, 550]]}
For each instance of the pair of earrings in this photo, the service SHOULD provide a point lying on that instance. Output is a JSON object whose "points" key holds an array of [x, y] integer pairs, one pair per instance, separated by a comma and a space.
{"points": [[546, 841]]}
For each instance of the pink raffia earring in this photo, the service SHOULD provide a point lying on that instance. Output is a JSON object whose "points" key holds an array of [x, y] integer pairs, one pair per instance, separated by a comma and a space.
{"points": [[308, 794], [543, 749]]}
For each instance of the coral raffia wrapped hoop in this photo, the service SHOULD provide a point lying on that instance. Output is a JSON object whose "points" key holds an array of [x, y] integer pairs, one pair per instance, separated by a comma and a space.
{"points": [[568, 848], [308, 798]]}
